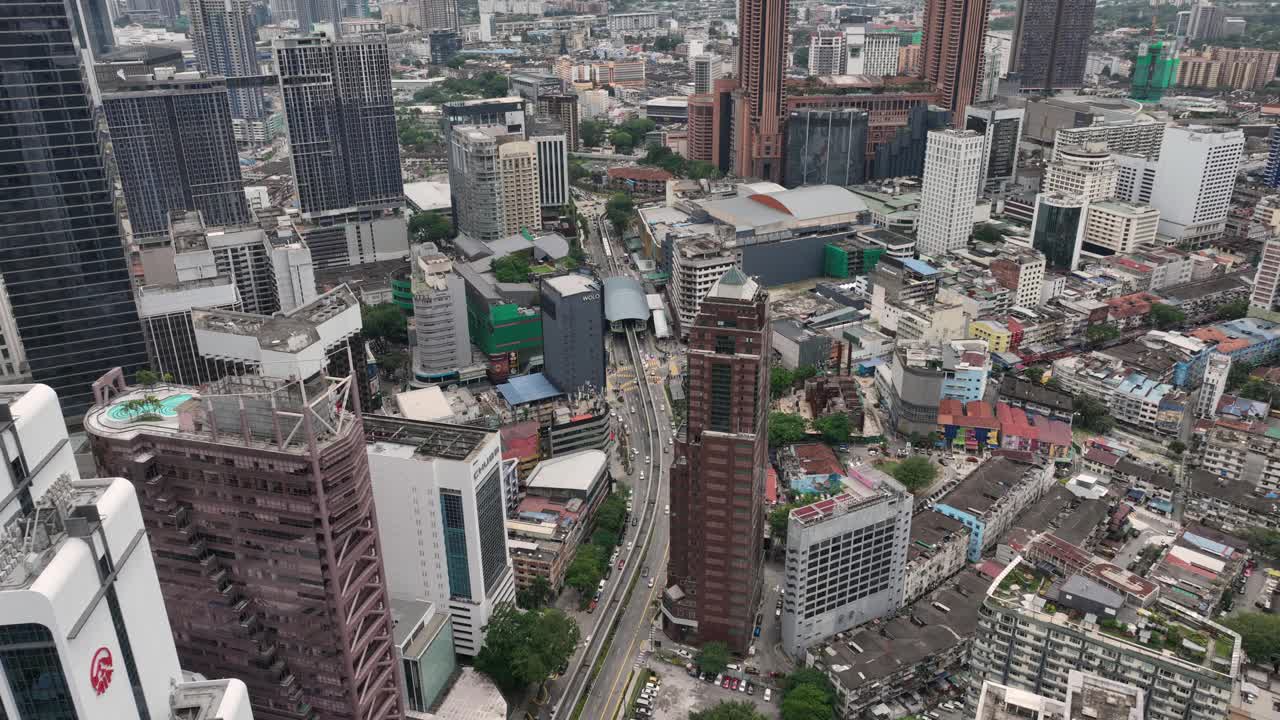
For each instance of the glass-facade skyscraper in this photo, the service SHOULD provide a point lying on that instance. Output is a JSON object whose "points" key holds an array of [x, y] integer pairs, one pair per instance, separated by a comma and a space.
{"points": [[61, 255]]}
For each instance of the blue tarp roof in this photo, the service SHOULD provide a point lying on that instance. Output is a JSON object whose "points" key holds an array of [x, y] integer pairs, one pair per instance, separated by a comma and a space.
{"points": [[1211, 546], [527, 388], [920, 266]]}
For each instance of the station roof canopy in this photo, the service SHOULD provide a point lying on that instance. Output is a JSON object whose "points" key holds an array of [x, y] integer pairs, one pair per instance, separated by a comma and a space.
{"points": [[624, 300]]}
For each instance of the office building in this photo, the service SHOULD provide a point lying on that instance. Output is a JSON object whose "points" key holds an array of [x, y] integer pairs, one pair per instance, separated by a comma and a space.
{"points": [[1051, 44], [223, 37], [1088, 171], [135, 60], [507, 112], [707, 69], [61, 256], [441, 509], [1271, 174], [1206, 21], [845, 559], [826, 147], [710, 126], [439, 14], [573, 333], [949, 190], [1001, 128], [424, 643], [443, 45], [1021, 269], [165, 311], [1196, 177], [880, 54], [163, 12], [317, 640], [552, 150], [764, 45], [717, 479], [1057, 228], [442, 341], [562, 108], [903, 154], [13, 359], [84, 631], [1021, 644], [342, 126], [954, 33], [92, 23], [494, 179], [1116, 226], [828, 54], [175, 151]]}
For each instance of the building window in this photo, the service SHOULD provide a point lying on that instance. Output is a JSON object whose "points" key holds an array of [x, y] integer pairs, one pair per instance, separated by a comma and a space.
{"points": [[34, 671], [455, 544], [493, 528]]}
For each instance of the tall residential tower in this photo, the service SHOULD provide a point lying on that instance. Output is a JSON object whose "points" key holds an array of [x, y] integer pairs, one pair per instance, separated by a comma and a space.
{"points": [[223, 37], [954, 35], [764, 44]]}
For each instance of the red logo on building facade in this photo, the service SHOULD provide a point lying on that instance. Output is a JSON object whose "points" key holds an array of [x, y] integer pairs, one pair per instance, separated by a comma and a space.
{"points": [[100, 670]]}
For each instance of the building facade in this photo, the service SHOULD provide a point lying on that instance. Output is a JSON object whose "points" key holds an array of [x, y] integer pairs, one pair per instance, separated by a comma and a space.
{"points": [[949, 190], [828, 54], [717, 513], [1120, 227], [1087, 171], [826, 147], [495, 181], [573, 329], [764, 44], [1051, 44], [880, 54], [1197, 174], [1057, 228], [954, 36], [442, 342], [223, 37], [1001, 129]]}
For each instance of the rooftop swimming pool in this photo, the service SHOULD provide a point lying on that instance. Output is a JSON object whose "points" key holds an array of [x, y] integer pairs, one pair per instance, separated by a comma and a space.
{"points": [[166, 408]]}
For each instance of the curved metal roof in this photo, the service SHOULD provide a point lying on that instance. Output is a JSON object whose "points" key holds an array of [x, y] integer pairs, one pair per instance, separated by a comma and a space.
{"points": [[624, 300]]}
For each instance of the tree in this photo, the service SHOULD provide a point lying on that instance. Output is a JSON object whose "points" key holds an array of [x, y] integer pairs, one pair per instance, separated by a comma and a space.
{"points": [[808, 676], [780, 380], [1177, 447], [151, 377], [612, 514], [523, 648], [778, 518], [1264, 541], [1258, 389], [604, 539], [725, 710], [1035, 373], [915, 473], [1102, 332], [591, 132], [535, 595], [713, 657], [1167, 316], [619, 209], [622, 141], [430, 227], [801, 57], [807, 702], [585, 571], [987, 233], [785, 428], [386, 321], [1259, 633], [512, 268], [1232, 310], [835, 427], [456, 61], [1094, 414]]}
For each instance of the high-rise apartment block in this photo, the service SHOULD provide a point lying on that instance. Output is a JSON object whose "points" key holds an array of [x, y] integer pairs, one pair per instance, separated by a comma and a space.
{"points": [[1051, 43], [1196, 178], [1088, 171], [717, 479], [1025, 642], [257, 471], [1001, 128], [341, 121], [61, 257], [442, 340], [493, 176], [828, 54], [1205, 22], [1271, 173], [1213, 384], [1088, 695], [573, 329], [175, 151], [440, 496], [223, 37], [439, 14], [845, 559], [949, 190], [764, 44], [1131, 137], [562, 108], [880, 54], [83, 627], [954, 36]]}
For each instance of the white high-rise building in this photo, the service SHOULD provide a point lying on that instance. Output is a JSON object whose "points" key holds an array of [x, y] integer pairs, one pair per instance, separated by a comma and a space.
{"points": [[949, 192], [494, 177], [553, 169], [439, 491], [706, 68], [1120, 226], [1198, 166], [1088, 171], [1266, 281], [1215, 383], [880, 54], [828, 54], [442, 339], [83, 627]]}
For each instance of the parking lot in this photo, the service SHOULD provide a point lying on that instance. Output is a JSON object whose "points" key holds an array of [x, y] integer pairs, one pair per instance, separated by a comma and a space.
{"points": [[681, 694]]}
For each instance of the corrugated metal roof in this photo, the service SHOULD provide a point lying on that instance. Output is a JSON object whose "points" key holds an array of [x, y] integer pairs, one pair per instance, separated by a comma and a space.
{"points": [[624, 300]]}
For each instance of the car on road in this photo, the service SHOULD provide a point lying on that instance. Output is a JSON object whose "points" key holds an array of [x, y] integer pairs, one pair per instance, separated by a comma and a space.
{"points": [[768, 695], [650, 582], [756, 633], [668, 509]]}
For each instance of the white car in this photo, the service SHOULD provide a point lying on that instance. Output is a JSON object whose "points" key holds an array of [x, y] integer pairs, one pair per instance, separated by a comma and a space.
{"points": [[768, 695], [668, 510], [650, 582]]}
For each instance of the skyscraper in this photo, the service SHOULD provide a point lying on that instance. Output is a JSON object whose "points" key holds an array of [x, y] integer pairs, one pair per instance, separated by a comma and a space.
{"points": [[826, 147], [827, 52], [341, 121], [954, 33], [1051, 43], [1193, 186], [60, 251], [223, 36], [1271, 173], [439, 14], [1086, 170], [255, 472], [1057, 228], [717, 479], [1001, 128], [563, 108], [764, 43], [949, 190], [493, 176], [707, 68], [175, 151], [93, 26], [573, 330], [442, 343]]}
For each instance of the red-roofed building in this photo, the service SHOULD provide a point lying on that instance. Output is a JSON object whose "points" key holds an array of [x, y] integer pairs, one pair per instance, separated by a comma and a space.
{"points": [[811, 459], [1069, 559], [521, 442], [968, 428], [1021, 432], [640, 180], [771, 486], [1130, 311]]}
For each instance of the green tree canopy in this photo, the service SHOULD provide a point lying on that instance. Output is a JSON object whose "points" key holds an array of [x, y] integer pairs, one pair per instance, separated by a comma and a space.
{"points": [[535, 595], [915, 473], [807, 702], [386, 321], [456, 62], [727, 710], [713, 657], [1093, 414], [623, 142], [604, 539], [1102, 332], [1165, 317], [808, 676], [835, 428], [585, 572], [1177, 447], [513, 268], [612, 513], [986, 232], [1232, 310], [785, 428], [430, 227], [592, 132], [1260, 634], [778, 518], [524, 648], [781, 380], [618, 209], [1264, 541], [1035, 373]]}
